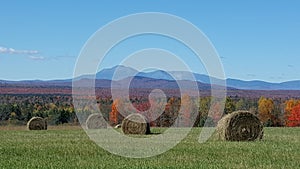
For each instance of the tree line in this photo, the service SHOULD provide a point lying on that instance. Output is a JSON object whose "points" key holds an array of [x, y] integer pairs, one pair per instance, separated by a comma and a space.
{"points": [[59, 109]]}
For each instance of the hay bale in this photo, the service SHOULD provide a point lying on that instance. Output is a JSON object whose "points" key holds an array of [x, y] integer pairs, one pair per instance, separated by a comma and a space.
{"points": [[95, 121], [239, 126], [135, 124], [118, 126], [37, 123], [46, 123]]}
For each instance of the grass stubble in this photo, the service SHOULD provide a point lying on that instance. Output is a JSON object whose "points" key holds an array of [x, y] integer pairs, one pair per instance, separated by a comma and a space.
{"points": [[70, 147]]}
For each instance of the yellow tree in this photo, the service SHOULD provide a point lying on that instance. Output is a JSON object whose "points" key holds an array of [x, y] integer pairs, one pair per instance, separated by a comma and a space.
{"points": [[265, 109]]}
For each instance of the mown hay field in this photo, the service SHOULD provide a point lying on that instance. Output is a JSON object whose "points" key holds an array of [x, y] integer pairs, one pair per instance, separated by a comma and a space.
{"points": [[70, 147]]}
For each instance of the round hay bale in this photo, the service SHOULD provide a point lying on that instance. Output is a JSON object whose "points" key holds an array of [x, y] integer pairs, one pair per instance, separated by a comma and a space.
{"points": [[135, 124], [37, 123], [46, 123], [118, 126], [239, 126], [95, 121]]}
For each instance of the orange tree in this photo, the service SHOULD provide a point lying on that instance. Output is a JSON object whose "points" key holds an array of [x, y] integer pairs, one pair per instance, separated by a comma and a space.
{"points": [[114, 116], [294, 116], [289, 105]]}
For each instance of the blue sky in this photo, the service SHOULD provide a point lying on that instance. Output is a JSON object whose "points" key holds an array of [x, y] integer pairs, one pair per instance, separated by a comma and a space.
{"points": [[255, 39]]}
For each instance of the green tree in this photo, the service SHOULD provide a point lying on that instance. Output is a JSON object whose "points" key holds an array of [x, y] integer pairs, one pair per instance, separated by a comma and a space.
{"points": [[229, 106], [204, 105], [242, 105], [63, 116]]}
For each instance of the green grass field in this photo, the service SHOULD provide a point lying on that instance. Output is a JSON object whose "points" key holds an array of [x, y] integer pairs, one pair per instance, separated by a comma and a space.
{"points": [[70, 147]]}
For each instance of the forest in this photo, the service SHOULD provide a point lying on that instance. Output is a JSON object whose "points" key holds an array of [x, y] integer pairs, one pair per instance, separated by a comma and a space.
{"points": [[17, 109]]}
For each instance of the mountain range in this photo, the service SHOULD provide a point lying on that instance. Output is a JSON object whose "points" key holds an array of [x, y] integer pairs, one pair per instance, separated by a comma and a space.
{"points": [[157, 78], [124, 72]]}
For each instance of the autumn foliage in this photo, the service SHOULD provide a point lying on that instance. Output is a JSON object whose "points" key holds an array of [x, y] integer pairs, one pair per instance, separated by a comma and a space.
{"points": [[265, 109], [289, 106], [58, 109], [293, 119], [186, 107], [114, 114]]}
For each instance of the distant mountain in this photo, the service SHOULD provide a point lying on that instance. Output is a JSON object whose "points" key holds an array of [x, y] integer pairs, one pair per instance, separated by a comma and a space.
{"points": [[155, 79], [124, 72], [121, 72], [138, 82], [182, 75], [261, 85]]}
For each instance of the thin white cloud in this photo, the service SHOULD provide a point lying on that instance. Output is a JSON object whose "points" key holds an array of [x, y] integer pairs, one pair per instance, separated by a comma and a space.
{"points": [[33, 54], [15, 51], [64, 56], [36, 57]]}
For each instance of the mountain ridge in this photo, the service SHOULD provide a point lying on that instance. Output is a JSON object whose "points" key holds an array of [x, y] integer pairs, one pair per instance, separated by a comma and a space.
{"points": [[118, 73], [230, 82]]}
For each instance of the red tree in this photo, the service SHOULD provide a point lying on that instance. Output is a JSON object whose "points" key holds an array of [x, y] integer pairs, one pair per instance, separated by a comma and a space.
{"points": [[289, 105], [294, 117]]}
